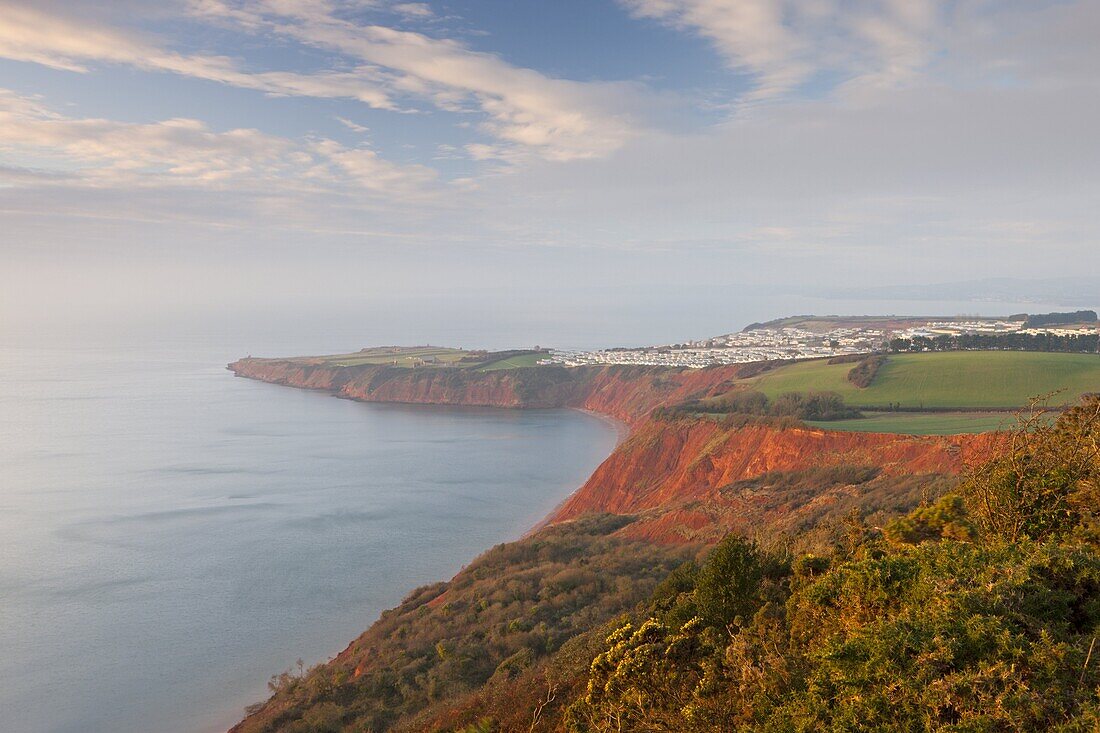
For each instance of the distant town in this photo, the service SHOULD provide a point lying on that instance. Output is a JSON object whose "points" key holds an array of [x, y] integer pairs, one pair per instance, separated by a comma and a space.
{"points": [[802, 337]]}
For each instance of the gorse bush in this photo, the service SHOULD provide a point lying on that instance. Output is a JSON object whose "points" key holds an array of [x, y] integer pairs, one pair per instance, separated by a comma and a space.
{"points": [[1045, 484]]}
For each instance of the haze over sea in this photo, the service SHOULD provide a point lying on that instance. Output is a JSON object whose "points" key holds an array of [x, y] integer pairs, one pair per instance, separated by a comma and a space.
{"points": [[171, 536]]}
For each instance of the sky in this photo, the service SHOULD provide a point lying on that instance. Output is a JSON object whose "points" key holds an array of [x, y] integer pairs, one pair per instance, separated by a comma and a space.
{"points": [[523, 159]]}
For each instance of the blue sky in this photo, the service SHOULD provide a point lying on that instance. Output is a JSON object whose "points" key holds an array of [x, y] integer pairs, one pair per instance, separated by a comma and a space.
{"points": [[643, 147]]}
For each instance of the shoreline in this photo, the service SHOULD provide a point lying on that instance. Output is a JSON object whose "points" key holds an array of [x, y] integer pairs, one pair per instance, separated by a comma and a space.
{"points": [[622, 429], [622, 432]]}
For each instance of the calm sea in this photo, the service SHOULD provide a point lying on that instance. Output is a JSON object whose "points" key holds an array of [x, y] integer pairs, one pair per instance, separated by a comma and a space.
{"points": [[171, 536]]}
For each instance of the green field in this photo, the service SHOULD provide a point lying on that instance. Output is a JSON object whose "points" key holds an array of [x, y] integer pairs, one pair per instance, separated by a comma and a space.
{"points": [[397, 356], [922, 423], [958, 379], [410, 357]]}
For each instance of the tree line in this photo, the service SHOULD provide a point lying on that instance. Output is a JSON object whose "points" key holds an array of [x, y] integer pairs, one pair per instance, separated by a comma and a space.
{"points": [[1038, 320], [1050, 342]]}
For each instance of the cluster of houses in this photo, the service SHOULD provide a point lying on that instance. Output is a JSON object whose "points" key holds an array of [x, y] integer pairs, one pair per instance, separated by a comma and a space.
{"points": [[762, 344], [954, 328], [992, 327], [790, 342]]}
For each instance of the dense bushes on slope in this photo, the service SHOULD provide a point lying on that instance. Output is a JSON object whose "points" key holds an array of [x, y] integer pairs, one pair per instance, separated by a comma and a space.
{"points": [[940, 636], [978, 613], [501, 615]]}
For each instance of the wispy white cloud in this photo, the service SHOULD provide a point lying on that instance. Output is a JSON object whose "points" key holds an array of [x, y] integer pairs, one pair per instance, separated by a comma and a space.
{"points": [[556, 119], [369, 170], [34, 34], [186, 152], [100, 151], [352, 125], [414, 10], [783, 44]]}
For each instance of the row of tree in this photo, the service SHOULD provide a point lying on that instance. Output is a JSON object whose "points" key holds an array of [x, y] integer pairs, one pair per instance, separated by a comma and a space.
{"points": [[1037, 320], [1069, 343]]}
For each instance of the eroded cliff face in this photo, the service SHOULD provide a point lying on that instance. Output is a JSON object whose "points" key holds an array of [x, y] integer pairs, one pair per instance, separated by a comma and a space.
{"points": [[675, 474], [625, 393], [662, 461], [681, 476]]}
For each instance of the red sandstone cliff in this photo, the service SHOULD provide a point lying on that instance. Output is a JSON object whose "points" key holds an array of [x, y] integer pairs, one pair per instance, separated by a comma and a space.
{"points": [[625, 393], [662, 461], [680, 475]]}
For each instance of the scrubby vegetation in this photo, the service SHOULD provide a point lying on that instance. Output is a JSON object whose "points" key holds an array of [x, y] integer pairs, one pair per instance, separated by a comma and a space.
{"points": [[846, 359], [747, 402], [977, 611], [863, 373]]}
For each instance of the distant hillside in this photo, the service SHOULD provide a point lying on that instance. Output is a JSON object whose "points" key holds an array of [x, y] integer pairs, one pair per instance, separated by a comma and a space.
{"points": [[819, 324]]}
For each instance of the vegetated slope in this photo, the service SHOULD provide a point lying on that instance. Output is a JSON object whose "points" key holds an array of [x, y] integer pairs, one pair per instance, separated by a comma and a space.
{"points": [[965, 379], [515, 631], [499, 617], [979, 610]]}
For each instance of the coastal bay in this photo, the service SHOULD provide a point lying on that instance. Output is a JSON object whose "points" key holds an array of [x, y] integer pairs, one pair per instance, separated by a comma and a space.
{"points": [[172, 536]]}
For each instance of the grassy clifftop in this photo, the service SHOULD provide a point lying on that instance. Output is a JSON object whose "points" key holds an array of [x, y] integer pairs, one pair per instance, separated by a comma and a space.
{"points": [[413, 357]]}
